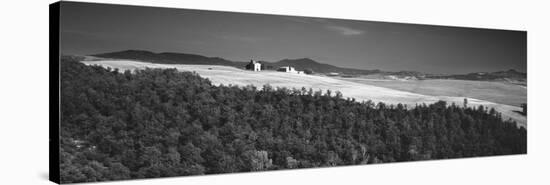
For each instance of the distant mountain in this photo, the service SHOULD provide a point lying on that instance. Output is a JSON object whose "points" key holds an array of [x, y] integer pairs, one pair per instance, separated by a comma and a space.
{"points": [[513, 74], [307, 63], [183, 58], [167, 58], [509, 75], [416, 74]]}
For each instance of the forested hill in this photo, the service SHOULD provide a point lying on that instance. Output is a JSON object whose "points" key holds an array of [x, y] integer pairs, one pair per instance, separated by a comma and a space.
{"points": [[168, 58], [161, 122]]}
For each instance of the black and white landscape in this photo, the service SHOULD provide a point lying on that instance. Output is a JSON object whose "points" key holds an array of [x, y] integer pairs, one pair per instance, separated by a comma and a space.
{"points": [[156, 92]]}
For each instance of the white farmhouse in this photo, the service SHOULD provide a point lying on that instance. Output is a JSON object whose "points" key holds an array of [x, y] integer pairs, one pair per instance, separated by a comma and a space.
{"points": [[254, 66]]}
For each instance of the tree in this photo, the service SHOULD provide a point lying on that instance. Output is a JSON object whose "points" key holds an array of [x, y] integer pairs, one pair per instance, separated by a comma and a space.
{"points": [[117, 171], [259, 160], [291, 162]]}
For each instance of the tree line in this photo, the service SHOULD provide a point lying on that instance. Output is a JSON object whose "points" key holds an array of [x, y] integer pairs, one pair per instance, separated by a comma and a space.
{"points": [[161, 122]]}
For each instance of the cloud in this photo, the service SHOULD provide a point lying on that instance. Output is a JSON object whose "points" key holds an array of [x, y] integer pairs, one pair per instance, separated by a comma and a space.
{"points": [[347, 31], [249, 39], [331, 25]]}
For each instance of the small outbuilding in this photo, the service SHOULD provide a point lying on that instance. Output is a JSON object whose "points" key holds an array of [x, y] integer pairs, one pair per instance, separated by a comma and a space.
{"points": [[333, 74], [287, 69]]}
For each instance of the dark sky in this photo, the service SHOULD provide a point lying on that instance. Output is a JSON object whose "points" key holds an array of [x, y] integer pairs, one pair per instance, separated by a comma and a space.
{"points": [[98, 28]]}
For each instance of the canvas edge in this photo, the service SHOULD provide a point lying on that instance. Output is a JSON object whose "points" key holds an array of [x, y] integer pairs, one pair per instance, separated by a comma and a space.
{"points": [[54, 85]]}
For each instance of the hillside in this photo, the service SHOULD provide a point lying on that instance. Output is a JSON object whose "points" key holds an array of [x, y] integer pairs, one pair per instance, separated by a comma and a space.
{"points": [[509, 75], [163, 122], [493, 91], [182, 58], [361, 92], [306, 63], [168, 58]]}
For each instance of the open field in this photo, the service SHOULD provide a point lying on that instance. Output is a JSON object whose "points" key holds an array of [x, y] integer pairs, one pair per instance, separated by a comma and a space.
{"points": [[360, 91], [498, 92]]}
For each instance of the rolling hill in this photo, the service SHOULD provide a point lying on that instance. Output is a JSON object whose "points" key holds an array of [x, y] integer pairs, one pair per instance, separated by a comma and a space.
{"points": [[183, 58], [307, 63], [167, 58], [509, 75], [303, 64], [219, 75]]}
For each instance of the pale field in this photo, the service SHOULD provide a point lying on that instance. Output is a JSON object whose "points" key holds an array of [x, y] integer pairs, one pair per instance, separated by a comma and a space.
{"points": [[360, 91], [498, 92]]}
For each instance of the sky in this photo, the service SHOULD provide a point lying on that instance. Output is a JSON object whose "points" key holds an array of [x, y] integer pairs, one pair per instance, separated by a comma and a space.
{"points": [[87, 28]]}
